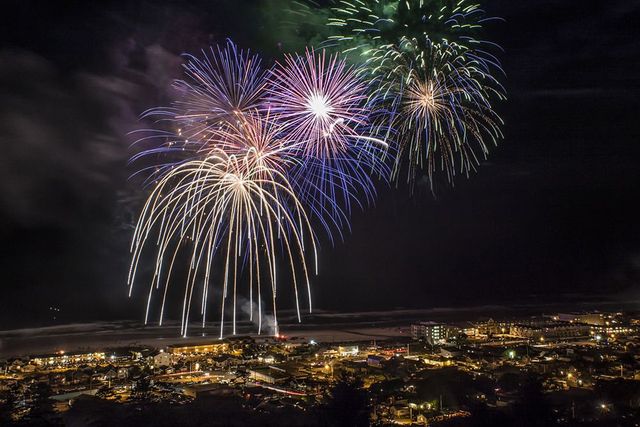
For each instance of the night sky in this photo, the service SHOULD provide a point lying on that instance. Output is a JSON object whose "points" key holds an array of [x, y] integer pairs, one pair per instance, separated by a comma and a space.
{"points": [[551, 214]]}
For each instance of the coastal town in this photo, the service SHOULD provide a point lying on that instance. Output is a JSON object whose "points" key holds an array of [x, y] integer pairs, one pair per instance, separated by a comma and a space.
{"points": [[576, 368]]}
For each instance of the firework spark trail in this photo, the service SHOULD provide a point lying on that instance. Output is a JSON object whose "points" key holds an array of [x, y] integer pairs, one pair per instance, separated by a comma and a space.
{"points": [[228, 208], [320, 102]]}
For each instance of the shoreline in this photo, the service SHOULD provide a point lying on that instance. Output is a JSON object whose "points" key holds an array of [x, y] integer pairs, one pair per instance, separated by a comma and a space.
{"points": [[319, 326]]}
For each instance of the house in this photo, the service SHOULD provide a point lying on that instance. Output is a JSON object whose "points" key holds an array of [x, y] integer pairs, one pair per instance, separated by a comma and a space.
{"points": [[269, 375], [123, 373], [348, 350], [375, 361], [199, 390], [110, 375], [400, 412], [162, 360]]}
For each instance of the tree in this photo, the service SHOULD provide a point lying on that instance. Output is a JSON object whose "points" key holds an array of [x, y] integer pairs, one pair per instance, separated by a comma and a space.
{"points": [[42, 412], [532, 408], [624, 391], [7, 402], [142, 387], [103, 392], [347, 404], [509, 382]]}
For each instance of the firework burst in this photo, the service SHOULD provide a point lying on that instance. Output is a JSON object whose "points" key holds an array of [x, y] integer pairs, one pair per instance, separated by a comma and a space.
{"points": [[320, 102], [372, 29], [219, 89], [232, 209], [432, 79], [439, 105]]}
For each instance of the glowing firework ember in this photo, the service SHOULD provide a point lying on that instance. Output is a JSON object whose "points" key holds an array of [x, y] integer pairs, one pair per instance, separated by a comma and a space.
{"points": [[229, 209], [320, 102]]}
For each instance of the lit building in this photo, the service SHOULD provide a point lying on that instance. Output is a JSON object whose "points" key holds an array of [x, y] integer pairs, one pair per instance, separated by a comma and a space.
{"points": [[436, 360], [431, 332], [613, 329], [62, 359], [375, 361], [269, 375], [218, 347], [348, 350], [490, 327], [162, 359], [551, 331], [198, 390], [599, 319]]}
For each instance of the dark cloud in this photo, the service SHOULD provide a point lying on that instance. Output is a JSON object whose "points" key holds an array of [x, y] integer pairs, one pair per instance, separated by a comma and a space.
{"points": [[57, 138], [65, 202], [65, 136]]}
